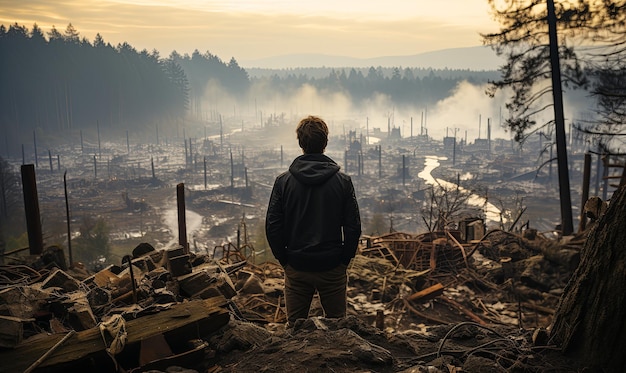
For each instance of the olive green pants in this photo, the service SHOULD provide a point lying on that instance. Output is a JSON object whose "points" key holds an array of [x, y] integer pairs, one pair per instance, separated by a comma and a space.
{"points": [[300, 288]]}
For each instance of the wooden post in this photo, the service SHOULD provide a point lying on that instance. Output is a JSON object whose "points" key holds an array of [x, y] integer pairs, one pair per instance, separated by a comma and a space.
{"points": [[186, 154], [67, 214], [191, 160], [380, 161], [380, 319], [585, 194], [99, 148], [362, 162], [606, 161], [403, 170], [35, 144], [232, 171], [205, 173], [559, 119], [31, 207], [182, 224], [221, 134], [454, 149], [239, 237]]}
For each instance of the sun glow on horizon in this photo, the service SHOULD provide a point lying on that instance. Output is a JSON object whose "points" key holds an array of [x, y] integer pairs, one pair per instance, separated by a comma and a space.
{"points": [[256, 29]]}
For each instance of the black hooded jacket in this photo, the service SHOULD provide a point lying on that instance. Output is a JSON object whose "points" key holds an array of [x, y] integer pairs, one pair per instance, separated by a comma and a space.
{"points": [[313, 221]]}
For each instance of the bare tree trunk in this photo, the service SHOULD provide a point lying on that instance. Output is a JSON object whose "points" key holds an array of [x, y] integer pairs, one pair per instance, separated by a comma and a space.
{"points": [[590, 321], [567, 226]]}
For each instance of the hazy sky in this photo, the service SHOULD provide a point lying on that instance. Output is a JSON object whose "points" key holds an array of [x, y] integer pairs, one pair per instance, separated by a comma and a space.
{"points": [[250, 29]]}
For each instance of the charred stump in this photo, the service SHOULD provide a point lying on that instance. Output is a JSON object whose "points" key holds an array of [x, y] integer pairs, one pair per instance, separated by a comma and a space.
{"points": [[590, 321]]}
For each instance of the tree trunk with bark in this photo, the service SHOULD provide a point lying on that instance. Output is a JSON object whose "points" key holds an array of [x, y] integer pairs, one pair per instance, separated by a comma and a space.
{"points": [[590, 321]]}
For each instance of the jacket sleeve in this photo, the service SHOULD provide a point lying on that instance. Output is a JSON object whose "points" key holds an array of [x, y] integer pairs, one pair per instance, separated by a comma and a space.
{"points": [[351, 224], [274, 224]]}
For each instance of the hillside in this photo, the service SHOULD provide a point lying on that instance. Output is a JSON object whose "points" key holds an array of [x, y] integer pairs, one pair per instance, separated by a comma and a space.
{"points": [[473, 58]]}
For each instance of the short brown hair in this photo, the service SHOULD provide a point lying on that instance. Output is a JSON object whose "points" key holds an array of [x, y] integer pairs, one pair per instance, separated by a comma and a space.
{"points": [[312, 134]]}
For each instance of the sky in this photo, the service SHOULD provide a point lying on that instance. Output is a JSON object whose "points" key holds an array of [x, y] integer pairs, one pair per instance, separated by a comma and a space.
{"points": [[250, 30], [254, 29]]}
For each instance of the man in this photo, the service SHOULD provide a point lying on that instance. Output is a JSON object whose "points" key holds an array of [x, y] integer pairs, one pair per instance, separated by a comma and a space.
{"points": [[313, 226]]}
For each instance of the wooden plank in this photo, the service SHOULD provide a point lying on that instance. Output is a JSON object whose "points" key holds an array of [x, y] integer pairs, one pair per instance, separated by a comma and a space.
{"points": [[426, 294], [208, 316]]}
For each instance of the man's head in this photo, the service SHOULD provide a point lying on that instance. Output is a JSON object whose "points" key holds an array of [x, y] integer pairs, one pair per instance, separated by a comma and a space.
{"points": [[312, 134]]}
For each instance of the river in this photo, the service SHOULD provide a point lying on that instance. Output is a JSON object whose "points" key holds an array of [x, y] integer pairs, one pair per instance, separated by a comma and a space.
{"points": [[492, 213]]}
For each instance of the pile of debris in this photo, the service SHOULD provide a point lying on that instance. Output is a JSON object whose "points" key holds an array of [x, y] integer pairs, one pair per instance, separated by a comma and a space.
{"points": [[439, 301], [151, 311]]}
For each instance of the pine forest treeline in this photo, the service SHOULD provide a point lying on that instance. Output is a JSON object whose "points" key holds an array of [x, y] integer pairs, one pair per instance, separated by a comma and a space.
{"points": [[62, 81], [58, 80]]}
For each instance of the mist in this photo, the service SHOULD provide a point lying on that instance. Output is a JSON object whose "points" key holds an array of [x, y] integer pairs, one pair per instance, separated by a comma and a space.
{"points": [[466, 111]]}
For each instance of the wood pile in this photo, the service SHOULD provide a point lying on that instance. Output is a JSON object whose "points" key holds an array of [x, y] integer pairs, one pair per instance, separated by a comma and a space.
{"points": [[151, 311]]}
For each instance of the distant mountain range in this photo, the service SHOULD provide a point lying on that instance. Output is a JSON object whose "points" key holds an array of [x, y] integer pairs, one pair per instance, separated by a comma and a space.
{"points": [[471, 58]]}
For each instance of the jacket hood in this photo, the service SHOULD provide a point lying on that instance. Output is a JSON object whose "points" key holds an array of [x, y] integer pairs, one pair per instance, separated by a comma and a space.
{"points": [[313, 169]]}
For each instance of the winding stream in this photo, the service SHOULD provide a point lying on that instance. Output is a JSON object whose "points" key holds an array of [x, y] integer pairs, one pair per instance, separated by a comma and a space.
{"points": [[492, 213]]}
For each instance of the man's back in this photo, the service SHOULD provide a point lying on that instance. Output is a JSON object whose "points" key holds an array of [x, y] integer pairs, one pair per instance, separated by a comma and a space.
{"points": [[313, 226], [319, 212]]}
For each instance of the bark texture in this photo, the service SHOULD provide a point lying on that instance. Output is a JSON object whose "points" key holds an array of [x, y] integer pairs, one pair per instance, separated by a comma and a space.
{"points": [[590, 321]]}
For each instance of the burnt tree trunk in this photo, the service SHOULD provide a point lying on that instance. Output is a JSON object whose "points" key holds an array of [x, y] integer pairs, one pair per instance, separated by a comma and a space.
{"points": [[590, 321]]}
